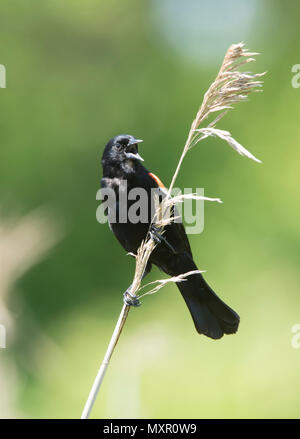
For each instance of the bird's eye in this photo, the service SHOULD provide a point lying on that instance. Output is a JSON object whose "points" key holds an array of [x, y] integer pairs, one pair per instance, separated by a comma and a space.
{"points": [[119, 145]]}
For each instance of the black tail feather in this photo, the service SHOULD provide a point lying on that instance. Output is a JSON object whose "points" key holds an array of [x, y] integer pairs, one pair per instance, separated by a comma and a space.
{"points": [[210, 314]]}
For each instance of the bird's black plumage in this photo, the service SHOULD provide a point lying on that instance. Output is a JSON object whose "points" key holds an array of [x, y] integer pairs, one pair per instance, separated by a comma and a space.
{"points": [[121, 162]]}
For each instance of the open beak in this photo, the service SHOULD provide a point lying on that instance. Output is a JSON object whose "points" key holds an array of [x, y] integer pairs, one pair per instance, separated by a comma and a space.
{"points": [[132, 153], [135, 141]]}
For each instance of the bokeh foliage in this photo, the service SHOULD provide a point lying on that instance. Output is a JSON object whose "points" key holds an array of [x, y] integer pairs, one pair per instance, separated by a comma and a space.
{"points": [[77, 74]]}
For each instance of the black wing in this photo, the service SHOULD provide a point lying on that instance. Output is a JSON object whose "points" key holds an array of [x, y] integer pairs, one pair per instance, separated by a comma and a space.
{"points": [[174, 233]]}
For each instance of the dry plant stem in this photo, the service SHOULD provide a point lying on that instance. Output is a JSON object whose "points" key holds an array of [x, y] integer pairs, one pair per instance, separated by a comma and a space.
{"points": [[230, 87], [100, 375], [185, 150]]}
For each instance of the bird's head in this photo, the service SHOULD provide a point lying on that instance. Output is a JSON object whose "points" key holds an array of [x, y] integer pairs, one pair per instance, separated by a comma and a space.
{"points": [[121, 149]]}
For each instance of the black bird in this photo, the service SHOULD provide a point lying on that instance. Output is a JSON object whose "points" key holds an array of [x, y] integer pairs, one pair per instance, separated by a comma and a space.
{"points": [[122, 163]]}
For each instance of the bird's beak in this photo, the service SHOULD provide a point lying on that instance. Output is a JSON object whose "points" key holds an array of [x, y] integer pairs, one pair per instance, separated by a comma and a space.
{"points": [[134, 155], [135, 141]]}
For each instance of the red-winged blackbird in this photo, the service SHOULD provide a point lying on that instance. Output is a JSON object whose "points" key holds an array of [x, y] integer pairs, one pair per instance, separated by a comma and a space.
{"points": [[121, 162]]}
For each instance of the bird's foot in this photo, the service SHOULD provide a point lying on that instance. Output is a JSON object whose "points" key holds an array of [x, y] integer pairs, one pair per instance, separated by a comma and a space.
{"points": [[130, 299], [157, 236]]}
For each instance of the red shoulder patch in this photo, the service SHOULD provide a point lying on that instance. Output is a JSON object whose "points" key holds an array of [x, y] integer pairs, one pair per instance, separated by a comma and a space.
{"points": [[157, 180]]}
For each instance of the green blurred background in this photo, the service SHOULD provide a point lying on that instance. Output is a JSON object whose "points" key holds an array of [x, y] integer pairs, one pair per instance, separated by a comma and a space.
{"points": [[79, 72]]}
